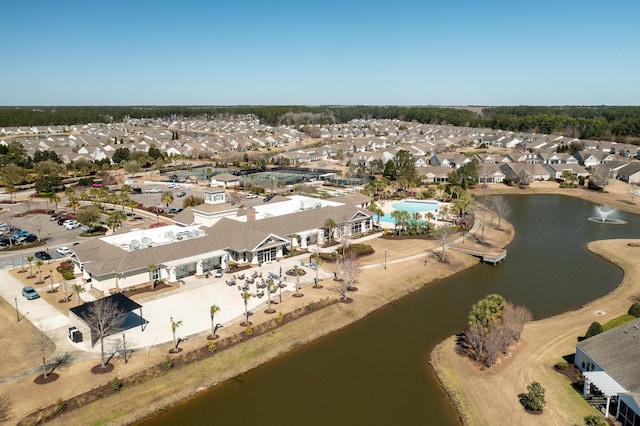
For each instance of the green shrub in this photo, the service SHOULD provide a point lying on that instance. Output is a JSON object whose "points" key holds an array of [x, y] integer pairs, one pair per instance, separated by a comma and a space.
{"points": [[61, 406], [280, 317], [212, 346], [595, 420], [533, 400], [116, 383], [594, 328], [634, 310], [67, 275], [562, 365], [311, 306], [168, 362], [248, 331]]}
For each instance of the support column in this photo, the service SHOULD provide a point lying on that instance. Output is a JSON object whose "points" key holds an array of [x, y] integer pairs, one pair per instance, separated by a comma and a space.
{"points": [[606, 410], [585, 389]]}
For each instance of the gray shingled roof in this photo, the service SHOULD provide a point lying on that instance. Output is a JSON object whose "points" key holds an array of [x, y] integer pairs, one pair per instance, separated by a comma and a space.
{"points": [[616, 351]]}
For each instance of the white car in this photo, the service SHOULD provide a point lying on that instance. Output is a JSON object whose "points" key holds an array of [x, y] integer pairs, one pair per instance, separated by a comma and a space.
{"points": [[154, 191], [72, 224], [252, 196], [64, 251]]}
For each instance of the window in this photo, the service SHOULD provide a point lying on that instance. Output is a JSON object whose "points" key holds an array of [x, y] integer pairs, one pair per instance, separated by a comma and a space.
{"points": [[155, 274]]}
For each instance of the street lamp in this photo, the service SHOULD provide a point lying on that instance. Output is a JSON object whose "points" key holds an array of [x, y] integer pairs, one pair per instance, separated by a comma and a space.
{"points": [[38, 228], [15, 299], [385, 258]]}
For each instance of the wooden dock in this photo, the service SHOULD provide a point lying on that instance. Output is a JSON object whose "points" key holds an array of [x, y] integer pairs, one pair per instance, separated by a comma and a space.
{"points": [[490, 255]]}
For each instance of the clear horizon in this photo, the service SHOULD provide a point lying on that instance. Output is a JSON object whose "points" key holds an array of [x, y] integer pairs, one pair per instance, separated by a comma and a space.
{"points": [[407, 53]]}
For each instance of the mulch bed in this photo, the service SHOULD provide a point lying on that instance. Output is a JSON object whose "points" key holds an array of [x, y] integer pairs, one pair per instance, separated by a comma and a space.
{"points": [[40, 380], [177, 361], [98, 369], [145, 289]]}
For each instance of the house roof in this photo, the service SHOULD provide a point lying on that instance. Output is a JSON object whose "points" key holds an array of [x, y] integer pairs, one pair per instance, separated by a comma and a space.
{"points": [[122, 302], [616, 351]]}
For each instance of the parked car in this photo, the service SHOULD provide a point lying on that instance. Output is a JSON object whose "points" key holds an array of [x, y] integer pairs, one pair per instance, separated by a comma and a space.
{"points": [[64, 251], [268, 198], [174, 211], [42, 255], [181, 194], [62, 220], [30, 293], [218, 273], [7, 242], [153, 191], [252, 195], [21, 233], [72, 224], [29, 238]]}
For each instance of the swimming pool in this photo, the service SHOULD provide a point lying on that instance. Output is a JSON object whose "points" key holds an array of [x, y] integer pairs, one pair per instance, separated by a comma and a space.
{"points": [[412, 207]]}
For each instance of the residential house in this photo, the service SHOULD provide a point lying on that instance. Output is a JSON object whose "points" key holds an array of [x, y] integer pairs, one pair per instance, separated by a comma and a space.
{"points": [[629, 173], [609, 363]]}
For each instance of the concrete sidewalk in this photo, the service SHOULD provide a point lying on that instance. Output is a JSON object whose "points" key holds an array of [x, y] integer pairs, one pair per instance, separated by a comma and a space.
{"points": [[190, 303]]}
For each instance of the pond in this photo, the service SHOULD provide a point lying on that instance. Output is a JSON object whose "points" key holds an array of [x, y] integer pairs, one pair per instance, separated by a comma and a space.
{"points": [[376, 371]]}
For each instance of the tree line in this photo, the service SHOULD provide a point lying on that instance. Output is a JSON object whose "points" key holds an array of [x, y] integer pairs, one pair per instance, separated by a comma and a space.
{"points": [[584, 122]]}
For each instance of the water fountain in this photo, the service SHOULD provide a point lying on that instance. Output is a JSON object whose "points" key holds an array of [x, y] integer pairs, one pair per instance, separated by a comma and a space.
{"points": [[605, 215]]}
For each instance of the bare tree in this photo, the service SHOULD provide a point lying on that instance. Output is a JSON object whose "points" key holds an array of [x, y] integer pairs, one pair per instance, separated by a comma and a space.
{"points": [[494, 343], [474, 337], [104, 318], [600, 174], [514, 318], [44, 345], [524, 173], [443, 234], [501, 207], [350, 270]]}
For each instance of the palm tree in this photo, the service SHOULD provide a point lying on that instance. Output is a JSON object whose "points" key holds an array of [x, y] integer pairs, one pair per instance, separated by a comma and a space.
{"points": [[329, 225], [54, 198], [30, 259], [78, 288], [167, 198], [212, 311], [373, 208], [84, 196], [174, 326], [69, 191], [318, 263], [245, 297], [270, 286], [39, 264], [73, 202]]}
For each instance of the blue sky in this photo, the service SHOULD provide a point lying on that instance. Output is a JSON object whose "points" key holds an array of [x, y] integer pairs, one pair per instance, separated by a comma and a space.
{"points": [[325, 52]]}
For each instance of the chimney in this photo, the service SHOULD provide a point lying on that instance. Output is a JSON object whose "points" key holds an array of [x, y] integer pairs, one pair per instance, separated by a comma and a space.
{"points": [[251, 214]]}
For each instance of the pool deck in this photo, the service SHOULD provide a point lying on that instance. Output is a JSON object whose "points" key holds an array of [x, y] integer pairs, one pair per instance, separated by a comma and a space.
{"points": [[387, 207]]}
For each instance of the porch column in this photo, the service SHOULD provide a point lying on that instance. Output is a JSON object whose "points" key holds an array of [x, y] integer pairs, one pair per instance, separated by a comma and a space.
{"points": [[606, 410], [303, 243], [585, 389], [199, 268]]}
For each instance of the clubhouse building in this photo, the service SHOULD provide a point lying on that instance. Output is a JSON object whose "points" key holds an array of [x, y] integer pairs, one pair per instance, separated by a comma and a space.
{"points": [[215, 235]]}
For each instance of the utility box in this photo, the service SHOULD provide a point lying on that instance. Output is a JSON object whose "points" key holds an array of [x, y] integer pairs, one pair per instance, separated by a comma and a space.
{"points": [[75, 335]]}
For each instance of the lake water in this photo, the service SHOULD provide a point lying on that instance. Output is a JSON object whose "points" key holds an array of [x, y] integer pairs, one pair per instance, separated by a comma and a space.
{"points": [[376, 371]]}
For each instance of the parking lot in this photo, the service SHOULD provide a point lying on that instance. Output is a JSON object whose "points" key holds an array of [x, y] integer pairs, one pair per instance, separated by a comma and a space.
{"points": [[57, 236], [40, 225]]}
